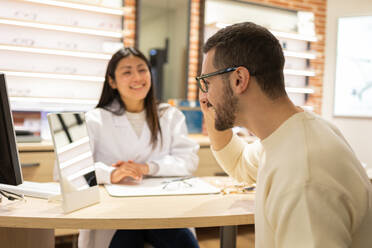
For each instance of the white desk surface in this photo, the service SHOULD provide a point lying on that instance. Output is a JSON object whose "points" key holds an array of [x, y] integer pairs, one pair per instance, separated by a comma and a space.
{"points": [[133, 212]]}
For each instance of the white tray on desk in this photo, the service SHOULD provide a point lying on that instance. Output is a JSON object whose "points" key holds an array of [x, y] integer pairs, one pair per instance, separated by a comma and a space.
{"points": [[163, 186]]}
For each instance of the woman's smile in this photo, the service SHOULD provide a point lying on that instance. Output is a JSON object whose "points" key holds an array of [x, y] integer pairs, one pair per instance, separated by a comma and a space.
{"points": [[137, 87]]}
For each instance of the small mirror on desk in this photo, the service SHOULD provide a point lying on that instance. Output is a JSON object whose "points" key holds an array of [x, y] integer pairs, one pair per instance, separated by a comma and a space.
{"points": [[74, 159]]}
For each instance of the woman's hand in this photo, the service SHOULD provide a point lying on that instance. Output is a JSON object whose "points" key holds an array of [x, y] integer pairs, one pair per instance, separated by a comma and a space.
{"points": [[131, 170]]}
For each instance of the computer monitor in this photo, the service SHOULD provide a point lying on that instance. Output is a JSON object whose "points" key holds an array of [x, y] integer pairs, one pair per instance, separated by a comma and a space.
{"points": [[10, 169]]}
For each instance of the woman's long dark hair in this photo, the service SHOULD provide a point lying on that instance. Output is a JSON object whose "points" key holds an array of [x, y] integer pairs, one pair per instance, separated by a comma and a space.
{"points": [[109, 94]]}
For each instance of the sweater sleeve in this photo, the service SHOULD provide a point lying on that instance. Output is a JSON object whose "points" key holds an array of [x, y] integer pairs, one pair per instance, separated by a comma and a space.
{"points": [[182, 160], [318, 216], [239, 159]]}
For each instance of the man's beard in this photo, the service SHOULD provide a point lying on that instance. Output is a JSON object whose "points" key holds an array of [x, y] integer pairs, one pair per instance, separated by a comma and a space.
{"points": [[225, 112]]}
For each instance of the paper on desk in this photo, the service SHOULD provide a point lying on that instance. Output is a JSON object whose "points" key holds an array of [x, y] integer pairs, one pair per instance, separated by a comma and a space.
{"points": [[163, 186]]}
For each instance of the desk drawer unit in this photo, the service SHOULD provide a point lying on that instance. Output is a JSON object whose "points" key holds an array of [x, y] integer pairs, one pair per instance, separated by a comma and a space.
{"points": [[37, 166]]}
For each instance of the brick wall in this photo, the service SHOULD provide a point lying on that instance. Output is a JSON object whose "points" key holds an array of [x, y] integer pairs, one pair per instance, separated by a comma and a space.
{"points": [[318, 7], [130, 23], [195, 43]]}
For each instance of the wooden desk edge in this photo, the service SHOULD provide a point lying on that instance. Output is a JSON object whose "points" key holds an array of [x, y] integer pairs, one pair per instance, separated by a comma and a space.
{"points": [[70, 223]]}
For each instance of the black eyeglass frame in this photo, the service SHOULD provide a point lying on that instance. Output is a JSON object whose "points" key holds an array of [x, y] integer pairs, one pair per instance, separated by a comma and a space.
{"points": [[219, 72]]}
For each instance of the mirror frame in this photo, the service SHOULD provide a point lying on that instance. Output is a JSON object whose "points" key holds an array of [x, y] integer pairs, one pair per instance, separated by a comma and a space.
{"points": [[75, 200]]}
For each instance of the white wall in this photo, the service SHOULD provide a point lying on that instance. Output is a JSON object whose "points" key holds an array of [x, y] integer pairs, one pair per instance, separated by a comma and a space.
{"points": [[153, 29], [176, 85], [358, 131], [160, 21]]}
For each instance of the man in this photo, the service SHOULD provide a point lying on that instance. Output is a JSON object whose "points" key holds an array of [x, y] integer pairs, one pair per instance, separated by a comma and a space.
{"points": [[311, 188]]}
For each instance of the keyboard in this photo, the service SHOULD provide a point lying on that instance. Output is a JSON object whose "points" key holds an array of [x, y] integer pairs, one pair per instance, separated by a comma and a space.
{"points": [[34, 189]]}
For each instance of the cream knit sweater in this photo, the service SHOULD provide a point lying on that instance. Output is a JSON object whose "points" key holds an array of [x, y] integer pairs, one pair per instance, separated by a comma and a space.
{"points": [[311, 188]]}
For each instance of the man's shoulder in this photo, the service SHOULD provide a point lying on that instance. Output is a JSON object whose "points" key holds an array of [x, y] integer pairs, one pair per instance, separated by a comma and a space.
{"points": [[322, 135]]}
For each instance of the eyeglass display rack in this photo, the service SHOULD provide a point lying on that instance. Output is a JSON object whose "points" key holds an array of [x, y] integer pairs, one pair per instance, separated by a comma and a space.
{"points": [[297, 70], [55, 52], [298, 54]]}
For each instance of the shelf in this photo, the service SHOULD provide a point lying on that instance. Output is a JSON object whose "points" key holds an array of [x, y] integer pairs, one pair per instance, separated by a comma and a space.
{"points": [[278, 34], [302, 55], [299, 90], [51, 104], [294, 36], [295, 72], [100, 25], [298, 52], [63, 28], [309, 108], [58, 52], [82, 6], [53, 76]]}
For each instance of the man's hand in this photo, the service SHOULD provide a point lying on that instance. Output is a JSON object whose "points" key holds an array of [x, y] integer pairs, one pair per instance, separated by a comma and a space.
{"points": [[128, 169], [208, 111]]}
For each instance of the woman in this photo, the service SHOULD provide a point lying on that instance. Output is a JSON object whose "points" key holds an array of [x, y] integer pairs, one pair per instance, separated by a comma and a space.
{"points": [[132, 137]]}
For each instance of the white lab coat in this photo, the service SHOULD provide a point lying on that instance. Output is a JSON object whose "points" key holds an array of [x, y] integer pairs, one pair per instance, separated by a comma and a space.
{"points": [[113, 138]]}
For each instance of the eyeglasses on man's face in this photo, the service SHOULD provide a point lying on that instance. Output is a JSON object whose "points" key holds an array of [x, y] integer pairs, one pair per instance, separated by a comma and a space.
{"points": [[203, 84]]}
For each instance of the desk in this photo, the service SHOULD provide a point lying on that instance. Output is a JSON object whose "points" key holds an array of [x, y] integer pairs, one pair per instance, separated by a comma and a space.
{"points": [[34, 220]]}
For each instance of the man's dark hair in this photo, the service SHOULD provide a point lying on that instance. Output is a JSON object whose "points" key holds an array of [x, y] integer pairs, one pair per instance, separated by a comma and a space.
{"points": [[254, 47]]}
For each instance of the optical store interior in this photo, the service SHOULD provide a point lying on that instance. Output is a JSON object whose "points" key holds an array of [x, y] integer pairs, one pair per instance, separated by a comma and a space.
{"points": [[54, 56]]}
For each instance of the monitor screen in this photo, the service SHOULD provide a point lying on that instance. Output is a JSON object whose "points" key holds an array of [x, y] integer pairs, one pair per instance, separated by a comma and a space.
{"points": [[10, 169]]}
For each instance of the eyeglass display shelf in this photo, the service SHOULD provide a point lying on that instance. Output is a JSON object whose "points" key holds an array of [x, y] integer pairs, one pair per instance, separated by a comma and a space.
{"points": [[19, 103], [276, 33], [53, 76], [98, 8], [58, 52], [65, 28], [296, 72], [302, 55], [308, 108], [294, 36], [300, 90]]}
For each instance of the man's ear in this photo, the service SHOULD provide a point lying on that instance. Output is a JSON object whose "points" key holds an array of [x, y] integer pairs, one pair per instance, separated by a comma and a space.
{"points": [[112, 83], [241, 80]]}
